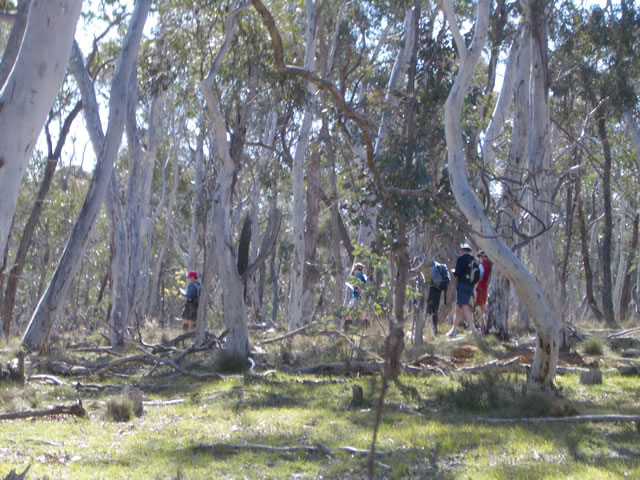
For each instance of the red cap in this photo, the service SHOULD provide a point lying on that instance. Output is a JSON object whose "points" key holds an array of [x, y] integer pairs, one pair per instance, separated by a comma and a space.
{"points": [[193, 274]]}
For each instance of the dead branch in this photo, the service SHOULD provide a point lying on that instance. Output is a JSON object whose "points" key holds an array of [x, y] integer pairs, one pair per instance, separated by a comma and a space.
{"points": [[511, 364], [285, 336], [47, 378], [175, 366], [574, 419], [121, 361], [159, 403], [623, 332], [319, 448], [17, 476], [76, 410]]}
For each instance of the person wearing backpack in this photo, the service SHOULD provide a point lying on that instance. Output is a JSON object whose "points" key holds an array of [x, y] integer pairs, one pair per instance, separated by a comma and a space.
{"points": [[192, 294], [439, 283], [467, 274], [483, 288]]}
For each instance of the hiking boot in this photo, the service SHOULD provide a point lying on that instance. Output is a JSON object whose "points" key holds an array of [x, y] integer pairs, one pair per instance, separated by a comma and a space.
{"points": [[435, 331]]}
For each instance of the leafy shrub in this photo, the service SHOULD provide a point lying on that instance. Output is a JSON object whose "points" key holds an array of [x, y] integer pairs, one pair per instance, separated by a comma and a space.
{"points": [[593, 346], [120, 409], [513, 396]]}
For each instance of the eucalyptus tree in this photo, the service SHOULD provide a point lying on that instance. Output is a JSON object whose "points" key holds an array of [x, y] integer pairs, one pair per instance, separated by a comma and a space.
{"points": [[546, 355], [106, 147], [598, 64], [29, 91]]}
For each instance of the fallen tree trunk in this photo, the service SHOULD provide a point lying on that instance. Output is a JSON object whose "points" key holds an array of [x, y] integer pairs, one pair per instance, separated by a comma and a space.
{"points": [[319, 448], [76, 410], [574, 419]]}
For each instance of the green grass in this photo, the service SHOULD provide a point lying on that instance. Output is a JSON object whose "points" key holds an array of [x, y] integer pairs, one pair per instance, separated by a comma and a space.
{"points": [[434, 435]]}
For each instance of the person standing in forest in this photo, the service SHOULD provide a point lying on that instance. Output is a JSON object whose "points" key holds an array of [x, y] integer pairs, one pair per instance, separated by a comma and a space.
{"points": [[483, 288], [192, 294], [438, 283], [467, 273], [356, 294]]}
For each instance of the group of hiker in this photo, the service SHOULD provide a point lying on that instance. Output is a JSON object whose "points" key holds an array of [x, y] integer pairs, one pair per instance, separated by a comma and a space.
{"points": [[472, 283]]}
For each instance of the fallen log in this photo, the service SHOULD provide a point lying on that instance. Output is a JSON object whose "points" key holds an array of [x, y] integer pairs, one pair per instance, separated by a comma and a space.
{"points": [[46, 378], [319, 448], [75, 410], [573, 419]]}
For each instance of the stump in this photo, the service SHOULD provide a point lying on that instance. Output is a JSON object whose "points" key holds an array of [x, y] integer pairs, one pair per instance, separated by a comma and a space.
{"points": [[357, 398], [592, 377]]}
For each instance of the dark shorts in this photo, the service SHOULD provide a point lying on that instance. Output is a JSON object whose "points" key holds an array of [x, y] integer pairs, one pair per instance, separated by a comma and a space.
{"points": [[190, 311], [433, 300], [464, 292]]}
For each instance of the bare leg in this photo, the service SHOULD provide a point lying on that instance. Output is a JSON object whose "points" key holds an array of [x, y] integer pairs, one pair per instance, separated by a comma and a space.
{"points": [[468, 315]]}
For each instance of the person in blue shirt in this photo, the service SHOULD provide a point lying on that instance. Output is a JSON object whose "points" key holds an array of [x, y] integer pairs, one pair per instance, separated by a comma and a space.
{"points": [[356, 294], [464, 291], [192, 294]]}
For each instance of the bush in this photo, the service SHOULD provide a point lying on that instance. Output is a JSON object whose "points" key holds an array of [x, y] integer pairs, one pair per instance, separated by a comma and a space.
{"points": [[593, 346], [120, 409], [513, 396]]}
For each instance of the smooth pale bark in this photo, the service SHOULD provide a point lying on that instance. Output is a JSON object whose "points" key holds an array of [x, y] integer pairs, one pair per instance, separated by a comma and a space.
{"points": [[542, 256], [15, 40], [170, 203], [106, 148], [196, 204], [138, 200], [634, 132], [515, 86], [546, 357], [29, 92], [120, 304], [366, 234], [298, 207], [8, 301], [234, 310]]}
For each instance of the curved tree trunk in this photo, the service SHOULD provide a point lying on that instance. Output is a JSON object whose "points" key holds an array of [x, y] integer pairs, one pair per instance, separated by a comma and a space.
{"points": [[515, 90], [546, 356], [106, 148], [29, 92]]}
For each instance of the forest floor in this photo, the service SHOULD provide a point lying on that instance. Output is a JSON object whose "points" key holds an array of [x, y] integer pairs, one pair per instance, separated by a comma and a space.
{"points": [[281, 420]]}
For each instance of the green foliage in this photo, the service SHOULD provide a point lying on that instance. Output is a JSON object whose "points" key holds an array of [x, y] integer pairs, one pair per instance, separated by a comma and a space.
{"points": [[594, 346], [120, 409], [513, 395]]}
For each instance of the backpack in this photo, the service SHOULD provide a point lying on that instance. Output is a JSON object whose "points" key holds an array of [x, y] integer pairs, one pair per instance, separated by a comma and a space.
{"points": [[444, 277], [472, 275]]}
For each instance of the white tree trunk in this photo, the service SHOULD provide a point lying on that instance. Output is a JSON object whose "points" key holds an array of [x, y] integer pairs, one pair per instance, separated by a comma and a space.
{"points": [[106, 148], [539, 151], [546, 356], [196, 208], [634, 132], [29, 92], [120, 305], [298, 207], [234, 310], [520, 64]]}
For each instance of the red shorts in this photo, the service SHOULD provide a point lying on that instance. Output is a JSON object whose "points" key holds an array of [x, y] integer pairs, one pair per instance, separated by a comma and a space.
{"points": [[481, 298]]}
